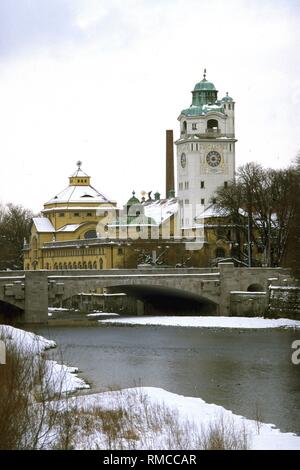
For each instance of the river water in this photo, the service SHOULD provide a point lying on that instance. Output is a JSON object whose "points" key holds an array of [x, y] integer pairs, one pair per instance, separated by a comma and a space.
{"points": [[247, 371]]}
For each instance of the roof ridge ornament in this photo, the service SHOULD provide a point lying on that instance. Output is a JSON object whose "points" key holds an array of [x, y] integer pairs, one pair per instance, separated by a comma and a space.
{"points": [[79, 163]]}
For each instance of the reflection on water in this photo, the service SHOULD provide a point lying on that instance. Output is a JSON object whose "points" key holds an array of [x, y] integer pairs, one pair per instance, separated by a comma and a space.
{"points": [[243, 371]]}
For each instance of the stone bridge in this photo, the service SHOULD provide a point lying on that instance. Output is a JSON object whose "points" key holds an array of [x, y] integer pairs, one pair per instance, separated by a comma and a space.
{"points": [[29, 292]]}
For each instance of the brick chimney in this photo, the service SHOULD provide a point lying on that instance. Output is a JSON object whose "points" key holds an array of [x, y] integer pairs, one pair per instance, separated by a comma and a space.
{"points": [[170, 183]]}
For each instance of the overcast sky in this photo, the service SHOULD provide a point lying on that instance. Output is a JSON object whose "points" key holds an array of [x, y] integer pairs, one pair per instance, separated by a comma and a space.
{"points": [[101, 81]]}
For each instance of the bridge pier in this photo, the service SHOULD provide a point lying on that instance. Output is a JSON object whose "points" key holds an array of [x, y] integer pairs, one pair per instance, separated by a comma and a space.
{"points": [[36, 297], [140, 307], [228, 276]]}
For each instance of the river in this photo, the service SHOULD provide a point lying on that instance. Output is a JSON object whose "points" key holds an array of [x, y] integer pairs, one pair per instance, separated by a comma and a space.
{"points": [[247, 371]]}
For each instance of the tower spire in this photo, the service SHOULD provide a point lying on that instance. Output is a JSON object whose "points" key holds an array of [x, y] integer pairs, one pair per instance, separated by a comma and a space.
{"points": [[204, 74]]}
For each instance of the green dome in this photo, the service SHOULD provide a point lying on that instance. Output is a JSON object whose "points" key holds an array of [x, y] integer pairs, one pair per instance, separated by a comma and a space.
{"points": [[133, 200], [205, 85], [227, 98]]}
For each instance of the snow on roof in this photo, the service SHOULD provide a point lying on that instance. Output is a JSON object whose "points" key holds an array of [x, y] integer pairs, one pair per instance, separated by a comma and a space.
{"points": [[79, 194], [161, 210], [212, 211], [69, 228], [42, 224], [65, 208]]}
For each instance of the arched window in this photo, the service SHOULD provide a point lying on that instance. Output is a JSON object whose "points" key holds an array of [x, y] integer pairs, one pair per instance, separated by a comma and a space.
{"points": [[90, 234], [74, 265], [211, 124], [95, 265], [84, 265], [90, 265], [220, 252], [184, 127], [70, 266], [79, 265], [101, 263], [27, 266], [60, 266], [65, 266], [55, 266]]}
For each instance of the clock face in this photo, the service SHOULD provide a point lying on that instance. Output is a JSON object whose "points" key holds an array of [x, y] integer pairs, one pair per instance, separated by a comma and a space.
{"points": [[183, 160], [213, 158]]}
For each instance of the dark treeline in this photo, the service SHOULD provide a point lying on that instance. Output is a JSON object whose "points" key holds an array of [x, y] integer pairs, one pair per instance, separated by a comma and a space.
{"points": [[15, 225]]}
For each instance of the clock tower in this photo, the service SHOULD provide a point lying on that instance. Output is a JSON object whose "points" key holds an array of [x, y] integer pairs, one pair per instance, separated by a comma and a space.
{"points": [[205, 149]]}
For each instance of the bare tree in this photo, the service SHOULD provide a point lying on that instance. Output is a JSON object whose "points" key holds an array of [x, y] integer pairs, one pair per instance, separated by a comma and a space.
{"points": [[292, 254], [260, 206]]}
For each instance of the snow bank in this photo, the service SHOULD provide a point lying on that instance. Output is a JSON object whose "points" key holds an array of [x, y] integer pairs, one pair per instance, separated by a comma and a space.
{"points": [[25, 340], [102, 314], [208, 322], [59, 377], [63, 379], [261, 436]]}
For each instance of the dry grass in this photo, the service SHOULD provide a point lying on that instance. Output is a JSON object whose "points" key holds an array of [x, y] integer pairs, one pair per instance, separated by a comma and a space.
{"points": [[224, 434], [28, 419], [133, 422]]}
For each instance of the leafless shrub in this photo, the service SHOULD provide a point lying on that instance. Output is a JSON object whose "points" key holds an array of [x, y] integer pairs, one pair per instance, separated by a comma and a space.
{"points": [[224, 434], [29, 417]]}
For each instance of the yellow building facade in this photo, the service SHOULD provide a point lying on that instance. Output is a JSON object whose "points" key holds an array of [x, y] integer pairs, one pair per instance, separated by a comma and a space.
{"points": [[80, 228]]}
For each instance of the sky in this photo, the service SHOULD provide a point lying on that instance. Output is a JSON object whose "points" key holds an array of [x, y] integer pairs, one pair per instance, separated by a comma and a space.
{"points": [[101, 80]]}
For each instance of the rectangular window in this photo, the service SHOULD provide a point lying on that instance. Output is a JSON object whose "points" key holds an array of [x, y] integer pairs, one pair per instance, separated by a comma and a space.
{"points": [[192, 147], [194, 126], [186, 201], [230, 147], [186, 185], [202, 185], [225, 184], [202, 201], [61, 214], [197, 147], [120, 251], [89, 214], [76, 214]]}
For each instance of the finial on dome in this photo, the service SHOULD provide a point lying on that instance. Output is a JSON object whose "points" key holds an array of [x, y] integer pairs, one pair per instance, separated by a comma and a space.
{"points": [[79, 163], [226, 93], [204, 74], [133, 193]]}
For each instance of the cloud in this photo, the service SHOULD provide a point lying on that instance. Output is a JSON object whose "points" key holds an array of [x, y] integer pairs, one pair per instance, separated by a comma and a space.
{"points": [[101, 80], [30, 25]]}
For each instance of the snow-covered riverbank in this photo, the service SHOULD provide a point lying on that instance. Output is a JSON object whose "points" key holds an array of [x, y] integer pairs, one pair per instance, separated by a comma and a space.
{"points": [[194, 410], [208, 322], [188, 409], [60, 377]]}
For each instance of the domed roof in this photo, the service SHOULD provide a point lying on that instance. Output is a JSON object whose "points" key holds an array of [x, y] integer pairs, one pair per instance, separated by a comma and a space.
{"points": [[227, 98], [133, 200], [205, 85], [79, 191]]}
